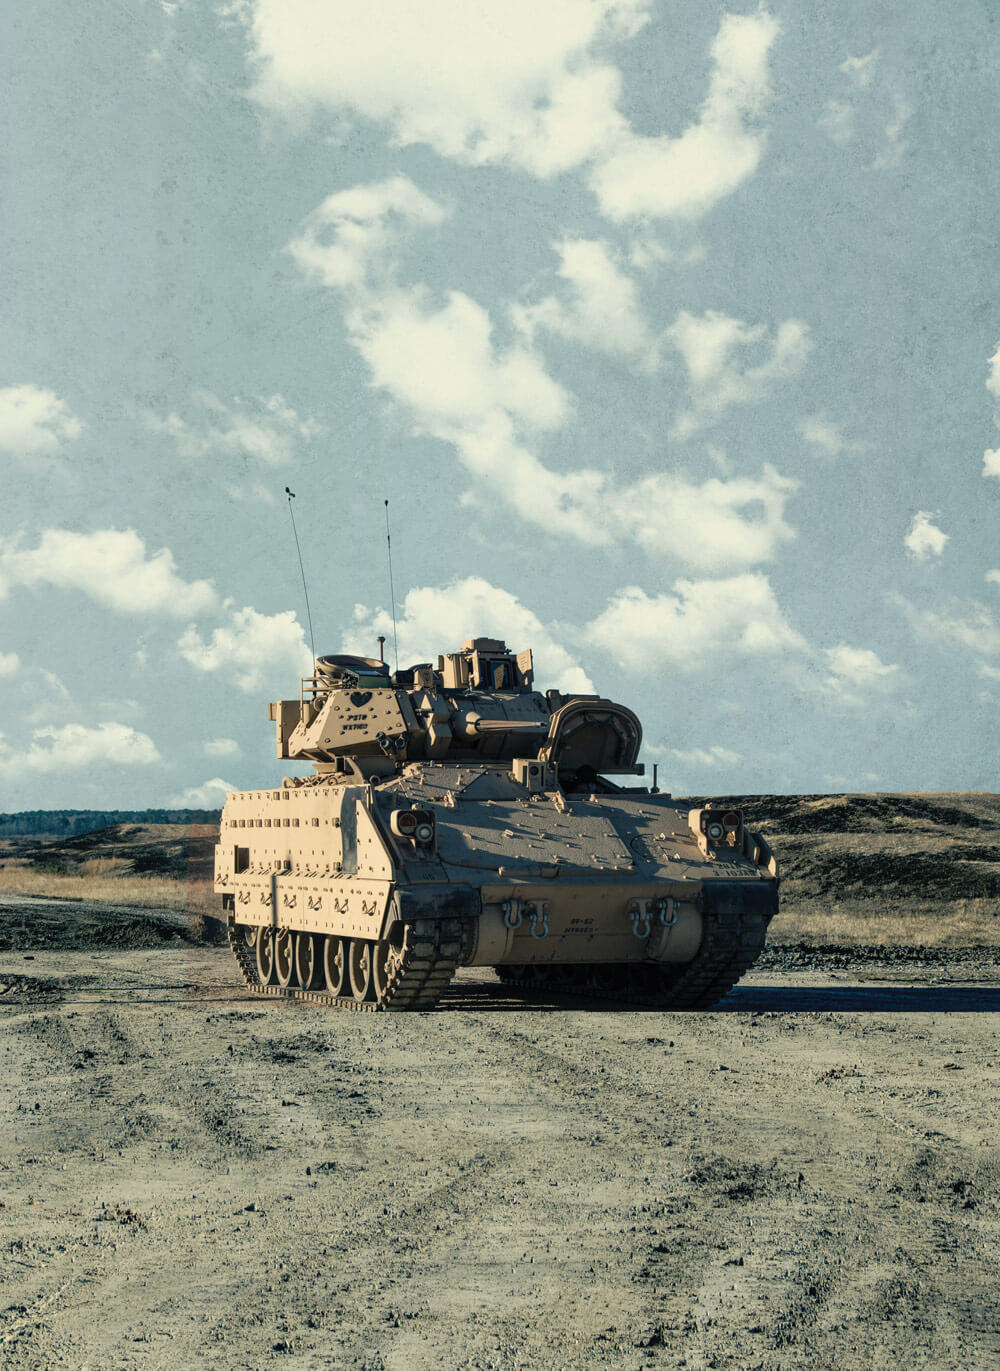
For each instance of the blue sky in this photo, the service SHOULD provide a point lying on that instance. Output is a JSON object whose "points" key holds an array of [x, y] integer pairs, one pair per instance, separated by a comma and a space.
{"points": [[672, 334]]}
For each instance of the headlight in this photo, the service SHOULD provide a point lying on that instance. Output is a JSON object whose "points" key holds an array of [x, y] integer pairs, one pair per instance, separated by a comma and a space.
{"points": [[417, 824], [717, 827]]}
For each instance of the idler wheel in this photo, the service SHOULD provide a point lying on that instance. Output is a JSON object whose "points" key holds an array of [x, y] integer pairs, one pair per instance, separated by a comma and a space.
{"points": [[284, 963], [265, 955], [334, 964], [306, 961], [359, 965]]}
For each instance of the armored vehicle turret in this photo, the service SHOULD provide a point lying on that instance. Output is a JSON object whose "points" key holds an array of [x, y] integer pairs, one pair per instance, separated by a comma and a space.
{"points": [[458, 817]]}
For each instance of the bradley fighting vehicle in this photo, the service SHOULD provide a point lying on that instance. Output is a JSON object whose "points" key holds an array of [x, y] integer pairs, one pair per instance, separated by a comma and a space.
{"points": [[457, 818]]}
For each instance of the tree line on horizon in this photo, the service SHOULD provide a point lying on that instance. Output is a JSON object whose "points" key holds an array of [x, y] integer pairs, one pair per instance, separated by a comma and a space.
{"points": [[69, 823]]}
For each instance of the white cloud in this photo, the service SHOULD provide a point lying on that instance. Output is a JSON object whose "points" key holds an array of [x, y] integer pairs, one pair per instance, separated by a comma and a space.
{"points": [[34, 422], [855, 675], [966, 624], [686, 176], [856, 665], [705, 756], [647, 252], [895, 145], [710, 525], [444, 364], [699, 622], [602, 310], [253, 649], [54, 687], [698, 625], [522, 84], [868, 115], [352, 238], [73, 746], [263, 428], [10, 664], [709, 345], [991, 457], [860, 70], [209, 795], [993, 377], [925, 539], [221, 747], [517, 82], [826, 436], [490, 401], [837, 121], [993, 576], [433, 620], [989, 673], [109, 565]]}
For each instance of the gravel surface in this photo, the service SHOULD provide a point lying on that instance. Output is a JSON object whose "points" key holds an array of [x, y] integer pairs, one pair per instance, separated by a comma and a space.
{"points": [[192, 1177]]}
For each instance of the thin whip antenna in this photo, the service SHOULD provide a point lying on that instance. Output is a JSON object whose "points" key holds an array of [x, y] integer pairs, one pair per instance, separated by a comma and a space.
{"points": [[302, 570], [392, 593]]}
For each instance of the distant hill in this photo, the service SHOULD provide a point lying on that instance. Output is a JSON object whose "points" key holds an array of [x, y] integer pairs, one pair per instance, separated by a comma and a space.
{"points": [[180, 852], [68, 823]]}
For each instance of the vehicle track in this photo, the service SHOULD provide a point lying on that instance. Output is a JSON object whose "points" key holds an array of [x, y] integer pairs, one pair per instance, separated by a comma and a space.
{"points": [[731, 943]]}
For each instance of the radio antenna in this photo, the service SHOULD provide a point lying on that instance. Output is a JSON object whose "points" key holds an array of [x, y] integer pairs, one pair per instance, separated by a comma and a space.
{"points": [[392, 593], [305, 592]]}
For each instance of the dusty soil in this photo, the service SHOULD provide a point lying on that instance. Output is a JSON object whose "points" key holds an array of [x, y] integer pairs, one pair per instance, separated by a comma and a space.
{"points": [[188, 1176]]}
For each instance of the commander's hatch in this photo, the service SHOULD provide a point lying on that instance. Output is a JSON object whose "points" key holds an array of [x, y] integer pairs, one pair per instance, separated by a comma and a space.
{"points": [[594, 733]]}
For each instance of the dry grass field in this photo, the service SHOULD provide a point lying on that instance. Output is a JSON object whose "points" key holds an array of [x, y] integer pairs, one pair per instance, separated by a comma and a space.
{"points": [[898, 870], [147, 866]]}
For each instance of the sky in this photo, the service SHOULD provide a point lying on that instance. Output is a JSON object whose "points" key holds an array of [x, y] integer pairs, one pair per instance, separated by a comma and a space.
{"points": [[671, 333]]}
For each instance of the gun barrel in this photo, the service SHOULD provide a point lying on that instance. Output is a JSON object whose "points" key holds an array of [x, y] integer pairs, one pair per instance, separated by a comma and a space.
{"points": [[509, 726]]}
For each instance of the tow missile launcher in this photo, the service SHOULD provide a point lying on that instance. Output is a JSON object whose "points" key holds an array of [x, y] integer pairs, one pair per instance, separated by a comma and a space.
{"points": [[458, 817]]}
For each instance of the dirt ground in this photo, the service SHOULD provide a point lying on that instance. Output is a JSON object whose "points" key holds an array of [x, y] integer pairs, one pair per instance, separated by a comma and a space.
{"points": [[191, 1177]]}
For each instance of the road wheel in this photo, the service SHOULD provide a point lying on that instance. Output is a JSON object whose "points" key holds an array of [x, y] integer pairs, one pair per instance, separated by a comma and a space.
{"points": [[265, 955], [334, 964], [359, 964], [249, 934], [283, 960], [306, 961]]}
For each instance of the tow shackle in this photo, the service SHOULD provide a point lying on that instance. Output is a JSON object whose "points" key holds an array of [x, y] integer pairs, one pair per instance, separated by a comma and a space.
{"points": [[535, 911]]}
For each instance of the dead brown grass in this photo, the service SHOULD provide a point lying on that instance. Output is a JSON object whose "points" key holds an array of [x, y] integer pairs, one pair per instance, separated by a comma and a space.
{"points": [[857, 923], [96, 884], [963, 923]]}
